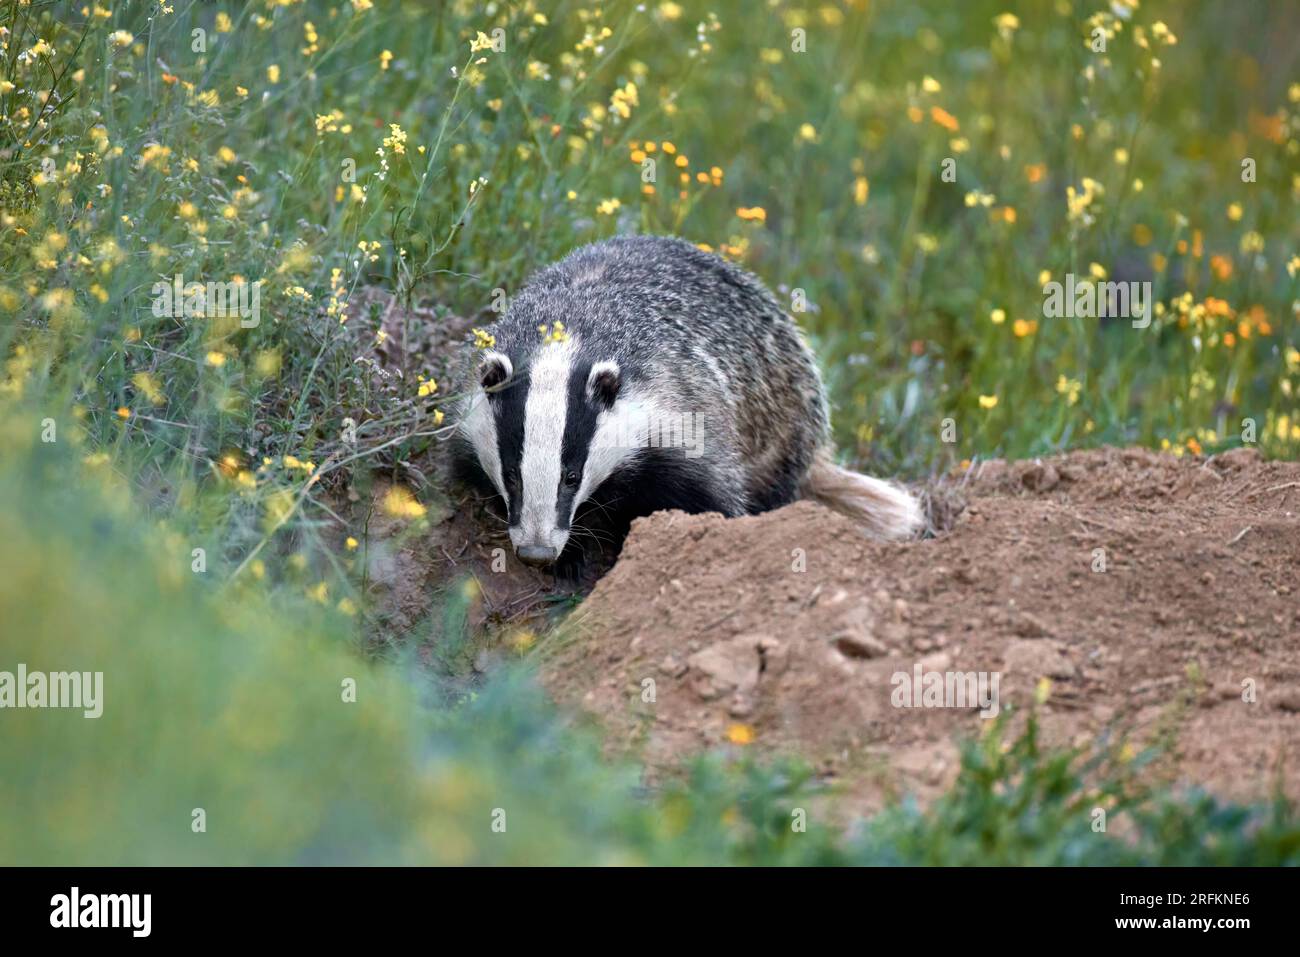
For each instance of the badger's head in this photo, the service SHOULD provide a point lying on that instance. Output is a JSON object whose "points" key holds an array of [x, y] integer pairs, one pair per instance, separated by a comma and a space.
{"points": [[543, 427]]}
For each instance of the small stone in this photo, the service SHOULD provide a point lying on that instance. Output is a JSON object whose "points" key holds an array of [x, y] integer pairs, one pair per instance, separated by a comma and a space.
{"points": [[939, 661], [1039, 658], [741, 705], [859, 646], [673, 667], [730, 665], [1040, 477], [1030, 626], [704, 687]]}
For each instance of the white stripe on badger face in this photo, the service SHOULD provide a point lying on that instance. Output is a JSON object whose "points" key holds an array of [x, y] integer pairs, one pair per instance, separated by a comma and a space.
{"points": [[480, 426], [545, 412]]}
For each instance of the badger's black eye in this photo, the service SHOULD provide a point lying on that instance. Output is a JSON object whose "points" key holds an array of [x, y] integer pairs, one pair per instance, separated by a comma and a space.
{"points": [[572, 479]]}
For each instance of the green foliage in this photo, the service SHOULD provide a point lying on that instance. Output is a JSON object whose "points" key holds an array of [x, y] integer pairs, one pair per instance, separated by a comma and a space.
{"points": [[1015, 803]]}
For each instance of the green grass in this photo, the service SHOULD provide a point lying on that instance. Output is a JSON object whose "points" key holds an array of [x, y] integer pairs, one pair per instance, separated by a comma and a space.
{"points": [[128, 155]]}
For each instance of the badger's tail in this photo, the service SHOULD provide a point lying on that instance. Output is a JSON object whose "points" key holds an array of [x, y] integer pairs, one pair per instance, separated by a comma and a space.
{"points": [[883, 510]]}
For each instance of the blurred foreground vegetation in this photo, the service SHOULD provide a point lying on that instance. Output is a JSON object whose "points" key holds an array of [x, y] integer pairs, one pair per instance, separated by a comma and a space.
{"points": [[232, 702]]}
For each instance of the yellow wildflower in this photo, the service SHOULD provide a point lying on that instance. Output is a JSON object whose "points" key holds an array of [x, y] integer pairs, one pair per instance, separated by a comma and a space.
{"points": [[738, 733]]}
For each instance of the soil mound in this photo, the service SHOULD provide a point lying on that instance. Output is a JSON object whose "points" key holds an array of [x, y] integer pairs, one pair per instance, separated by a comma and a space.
{"points": [[1155, 594]]}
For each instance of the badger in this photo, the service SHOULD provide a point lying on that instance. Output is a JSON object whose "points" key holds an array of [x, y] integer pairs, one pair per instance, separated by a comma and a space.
{"points": [[644, 373]]}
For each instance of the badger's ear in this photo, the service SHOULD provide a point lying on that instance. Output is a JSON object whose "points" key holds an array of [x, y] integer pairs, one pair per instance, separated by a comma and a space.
{"points": [[494, 368], [603, 383]]}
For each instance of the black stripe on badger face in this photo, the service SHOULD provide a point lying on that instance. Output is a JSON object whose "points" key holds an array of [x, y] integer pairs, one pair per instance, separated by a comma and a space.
{"points": [[508, 405], [581, 413]]}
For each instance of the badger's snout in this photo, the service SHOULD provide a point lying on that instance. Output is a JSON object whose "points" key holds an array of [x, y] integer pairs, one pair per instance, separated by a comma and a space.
{"points": [[538, 548], [537, 555]]}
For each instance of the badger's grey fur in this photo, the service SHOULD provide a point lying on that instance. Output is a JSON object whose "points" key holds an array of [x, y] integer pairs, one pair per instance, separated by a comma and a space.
{"points": [[673, 379]]}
